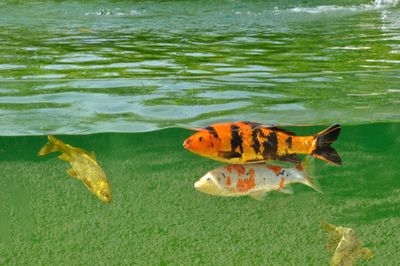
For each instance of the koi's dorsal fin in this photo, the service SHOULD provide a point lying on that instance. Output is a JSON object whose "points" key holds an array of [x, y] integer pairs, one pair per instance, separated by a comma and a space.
{"points": [[92, 155], [288, 132]]}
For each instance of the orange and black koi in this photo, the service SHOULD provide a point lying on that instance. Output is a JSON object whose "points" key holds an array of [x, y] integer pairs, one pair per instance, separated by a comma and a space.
{"points": [[246, 142]]}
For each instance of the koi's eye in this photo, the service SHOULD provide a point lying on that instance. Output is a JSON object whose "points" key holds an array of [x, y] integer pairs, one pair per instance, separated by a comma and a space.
{"points": [[209, 179], [200, 138]]}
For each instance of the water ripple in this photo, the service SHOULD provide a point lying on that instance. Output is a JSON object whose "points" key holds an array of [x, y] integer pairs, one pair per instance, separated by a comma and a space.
{"points": [[140, 66]]}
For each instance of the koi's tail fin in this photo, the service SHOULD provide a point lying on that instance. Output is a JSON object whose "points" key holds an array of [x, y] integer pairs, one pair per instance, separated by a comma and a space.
{"points": [[323, 149], [307, 169], [51, 146]]}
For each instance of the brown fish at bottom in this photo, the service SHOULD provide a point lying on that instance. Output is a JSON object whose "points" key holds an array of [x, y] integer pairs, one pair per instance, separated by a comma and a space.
{"points": [[345, 245], [248, 142]]}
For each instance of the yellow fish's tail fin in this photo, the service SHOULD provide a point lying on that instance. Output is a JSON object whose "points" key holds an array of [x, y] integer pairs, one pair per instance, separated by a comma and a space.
{"points": [[307, 169], [322, 147], [51, 146]]}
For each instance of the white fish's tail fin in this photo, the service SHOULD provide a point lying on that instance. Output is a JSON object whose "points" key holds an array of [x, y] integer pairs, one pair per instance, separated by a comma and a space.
{"points": [[51, 146], [307, 168]]}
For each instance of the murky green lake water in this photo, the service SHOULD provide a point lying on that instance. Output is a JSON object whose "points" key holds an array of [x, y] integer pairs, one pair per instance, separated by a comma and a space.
{"points": [[125, 79]]}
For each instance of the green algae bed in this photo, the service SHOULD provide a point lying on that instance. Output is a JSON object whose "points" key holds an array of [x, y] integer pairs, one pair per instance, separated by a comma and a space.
{"points": [[158, 218]]}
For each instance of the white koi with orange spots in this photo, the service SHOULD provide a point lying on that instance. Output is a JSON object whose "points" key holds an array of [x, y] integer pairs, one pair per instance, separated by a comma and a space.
{"points": [[253, 180]]}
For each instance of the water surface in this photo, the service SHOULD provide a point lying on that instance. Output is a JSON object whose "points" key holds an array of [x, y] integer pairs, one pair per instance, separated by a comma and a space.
{"points": [[79, 68]]}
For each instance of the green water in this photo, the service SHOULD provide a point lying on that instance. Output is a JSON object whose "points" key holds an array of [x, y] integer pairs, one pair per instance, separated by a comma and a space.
{"points": [[125, 78], [157, 217]]}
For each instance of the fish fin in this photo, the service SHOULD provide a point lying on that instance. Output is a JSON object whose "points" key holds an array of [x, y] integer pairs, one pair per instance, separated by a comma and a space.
{"points": [[229, 154], [64, 157], [306, 167], [282, 164], [50, 146], [291, 158], [287, 190], [258, 195], [72, 173], [327, 227], [288, 132], [323, 149], [87, 183], [195, 128], [366, 253], [334, 237], [92, 155]]}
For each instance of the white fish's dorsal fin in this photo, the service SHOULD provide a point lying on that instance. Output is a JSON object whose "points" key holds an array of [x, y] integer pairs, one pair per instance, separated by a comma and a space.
{"points": [[287, 190], [258, 195]]}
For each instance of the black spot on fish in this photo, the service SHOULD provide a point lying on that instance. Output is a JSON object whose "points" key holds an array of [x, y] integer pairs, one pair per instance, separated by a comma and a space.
{"points": [[255, 144], [289, 142], [212, 131], [270, 145], [200, 138], [236, 139]]}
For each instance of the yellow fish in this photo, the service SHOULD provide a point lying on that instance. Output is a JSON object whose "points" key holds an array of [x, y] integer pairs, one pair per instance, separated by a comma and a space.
{"points": [[345, 245], [84, 167]]}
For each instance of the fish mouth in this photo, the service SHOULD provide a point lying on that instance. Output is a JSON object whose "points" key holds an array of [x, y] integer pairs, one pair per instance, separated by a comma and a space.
{"points": [[197, 185], [206, 188], [186, 143]]}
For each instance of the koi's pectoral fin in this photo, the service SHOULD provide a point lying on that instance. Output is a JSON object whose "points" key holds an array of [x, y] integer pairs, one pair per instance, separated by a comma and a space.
{"points": [[229, 154], [287, 190], [366, 253], [258, 195], [72, 173], [291, 158], [64, 157]]}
